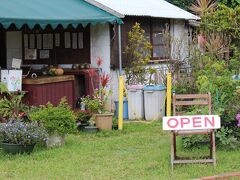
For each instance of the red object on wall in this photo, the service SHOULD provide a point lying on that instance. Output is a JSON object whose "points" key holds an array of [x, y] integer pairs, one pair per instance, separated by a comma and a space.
{"points": [[40, 94]]}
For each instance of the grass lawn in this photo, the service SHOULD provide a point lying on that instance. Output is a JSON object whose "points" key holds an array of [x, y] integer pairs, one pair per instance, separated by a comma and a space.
{"points": [[140, 151]]}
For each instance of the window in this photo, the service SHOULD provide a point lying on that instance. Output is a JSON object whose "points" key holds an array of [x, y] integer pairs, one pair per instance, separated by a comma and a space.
{"points": [[159, 39], [156, 32]]}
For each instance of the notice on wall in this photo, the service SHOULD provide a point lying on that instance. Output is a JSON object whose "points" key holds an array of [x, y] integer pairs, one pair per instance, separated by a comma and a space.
{"points": [[80, 40], [191, 122], [44, 54], [30, 54], [31, 41], [39, 41], [47, 41], [74, 40], [25, 39], [67, 39], [57, 39], [16, 63]]}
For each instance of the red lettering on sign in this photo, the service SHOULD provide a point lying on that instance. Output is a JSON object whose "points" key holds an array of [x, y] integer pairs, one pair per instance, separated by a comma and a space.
{"points": [[184, 121], [196, 122], [174, 121], [209, 121]]}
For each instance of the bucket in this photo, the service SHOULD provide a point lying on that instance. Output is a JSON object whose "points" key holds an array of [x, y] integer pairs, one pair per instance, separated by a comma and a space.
{"points": [[125, 109]]}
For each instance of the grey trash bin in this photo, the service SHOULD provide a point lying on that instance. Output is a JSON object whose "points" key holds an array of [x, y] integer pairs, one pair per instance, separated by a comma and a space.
{"points": [[154, 101], [135, 102]]}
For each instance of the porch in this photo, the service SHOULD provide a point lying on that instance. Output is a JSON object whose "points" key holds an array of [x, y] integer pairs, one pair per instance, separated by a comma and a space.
{"points": [[70, 36]]}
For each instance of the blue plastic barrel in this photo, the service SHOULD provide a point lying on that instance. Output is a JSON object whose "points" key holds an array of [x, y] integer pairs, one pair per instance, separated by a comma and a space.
{"points": [[125, 109]]}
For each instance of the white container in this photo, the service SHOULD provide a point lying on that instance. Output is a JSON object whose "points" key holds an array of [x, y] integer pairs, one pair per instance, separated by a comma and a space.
{"points": [[154, 102], [135, 102], [12, 79]]}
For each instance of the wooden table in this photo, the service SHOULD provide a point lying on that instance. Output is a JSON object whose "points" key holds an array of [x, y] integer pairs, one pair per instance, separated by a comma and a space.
{"points": [[49, 89]]}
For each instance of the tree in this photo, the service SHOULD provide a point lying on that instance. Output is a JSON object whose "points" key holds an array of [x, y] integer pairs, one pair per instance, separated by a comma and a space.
{"points": [[185, 4], [138, 52]]}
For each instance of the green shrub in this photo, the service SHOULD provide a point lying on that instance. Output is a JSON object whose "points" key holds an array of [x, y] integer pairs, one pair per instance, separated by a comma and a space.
{"points": [[11, 105], [16, 132], [226, 138], [56, 119], [93, 104], [84, 116]]}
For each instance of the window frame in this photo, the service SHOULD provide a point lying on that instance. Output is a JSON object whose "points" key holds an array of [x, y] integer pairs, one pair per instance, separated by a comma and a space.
{"points": [[160, 20]]}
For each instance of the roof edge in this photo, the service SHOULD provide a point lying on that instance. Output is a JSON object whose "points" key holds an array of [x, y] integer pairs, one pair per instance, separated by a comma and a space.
{"points": [[105, 8]]}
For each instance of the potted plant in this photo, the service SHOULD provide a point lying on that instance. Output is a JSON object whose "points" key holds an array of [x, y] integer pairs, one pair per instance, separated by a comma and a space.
{"points": [[58, 121], [21, 137], [83, 119], [97, 105]]}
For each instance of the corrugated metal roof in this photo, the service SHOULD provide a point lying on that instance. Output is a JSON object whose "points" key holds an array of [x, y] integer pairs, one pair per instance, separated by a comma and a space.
{"points": [[152, 8]]}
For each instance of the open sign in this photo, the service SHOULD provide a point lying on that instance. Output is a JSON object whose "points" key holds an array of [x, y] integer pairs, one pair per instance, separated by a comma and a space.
{"points": [[191, 122]]}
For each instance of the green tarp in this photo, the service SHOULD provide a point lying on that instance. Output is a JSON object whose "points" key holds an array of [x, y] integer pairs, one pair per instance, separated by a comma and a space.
{"points": [[52, 12]]}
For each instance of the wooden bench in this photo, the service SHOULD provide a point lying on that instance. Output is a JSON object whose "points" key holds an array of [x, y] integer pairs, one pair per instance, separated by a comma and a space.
{"points": [[190, 100]]}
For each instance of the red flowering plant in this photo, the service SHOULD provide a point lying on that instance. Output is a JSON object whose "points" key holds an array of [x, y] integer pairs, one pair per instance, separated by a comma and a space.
{"points": [[99, 62], [97, 101]]}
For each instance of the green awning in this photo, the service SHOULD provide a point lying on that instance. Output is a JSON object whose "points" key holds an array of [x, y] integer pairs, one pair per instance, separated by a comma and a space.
{"points": [[52, 12]]}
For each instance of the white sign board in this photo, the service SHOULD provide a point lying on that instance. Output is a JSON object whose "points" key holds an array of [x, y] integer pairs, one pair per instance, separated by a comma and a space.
{"points": [[191, 122], [12, 79], [16, 63]]}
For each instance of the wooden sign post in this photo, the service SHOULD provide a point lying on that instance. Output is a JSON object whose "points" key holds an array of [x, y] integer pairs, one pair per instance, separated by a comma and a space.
{"points": [[180, 125]]}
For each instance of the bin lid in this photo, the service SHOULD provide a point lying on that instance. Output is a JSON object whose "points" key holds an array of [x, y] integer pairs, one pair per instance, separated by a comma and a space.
{"points": [[135, 86], [154, 87]]}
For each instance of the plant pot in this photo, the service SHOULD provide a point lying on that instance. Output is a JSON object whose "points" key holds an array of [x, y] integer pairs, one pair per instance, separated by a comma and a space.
{"points": [[104, 121], [82, 126], [55, 140], [90, 129], [17, 148]]}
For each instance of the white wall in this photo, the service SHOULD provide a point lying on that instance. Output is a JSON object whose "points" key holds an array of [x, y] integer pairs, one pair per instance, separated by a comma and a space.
{"points": [[14, 46], [100, 45]]}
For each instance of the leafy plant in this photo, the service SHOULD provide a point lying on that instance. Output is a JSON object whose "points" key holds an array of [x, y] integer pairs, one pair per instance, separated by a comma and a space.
{"points": [[11, 103], [84, 116], [138, 51], [56, 119], [203, 6], [195, 141], [16, 132], [151, 72], [226, 138], [96, 103]]}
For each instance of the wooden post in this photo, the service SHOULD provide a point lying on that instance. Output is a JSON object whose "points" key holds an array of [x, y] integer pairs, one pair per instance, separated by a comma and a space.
{"points": [[120, 105], [169, 93]]}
